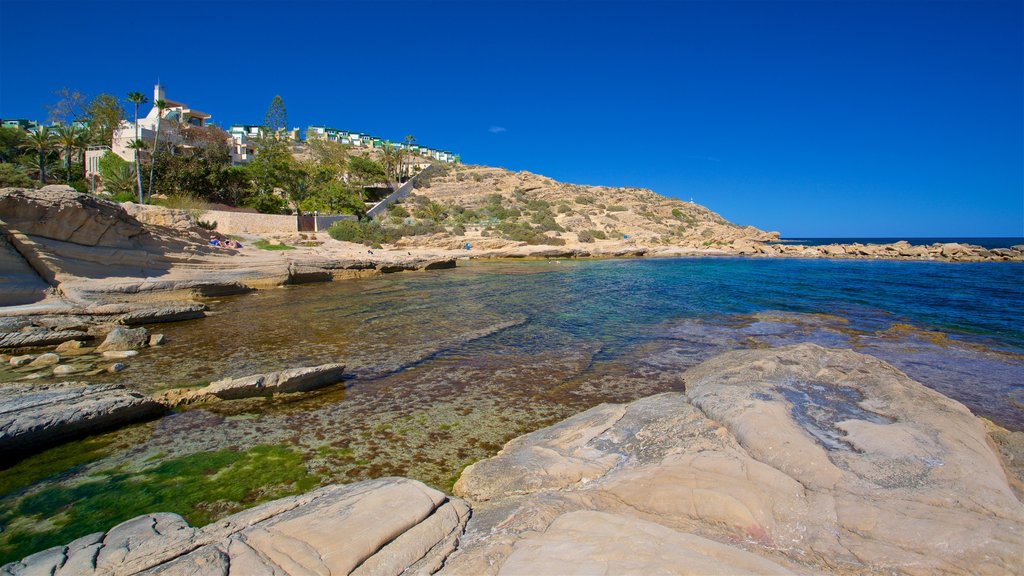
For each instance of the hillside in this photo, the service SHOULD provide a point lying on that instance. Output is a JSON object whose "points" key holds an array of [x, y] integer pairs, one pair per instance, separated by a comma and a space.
{"points": [[500, 205]]}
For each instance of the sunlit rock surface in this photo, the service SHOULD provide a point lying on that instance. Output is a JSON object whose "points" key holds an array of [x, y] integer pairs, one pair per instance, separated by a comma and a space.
{"points": [[384, 526], [817, 460], [33, 416]]}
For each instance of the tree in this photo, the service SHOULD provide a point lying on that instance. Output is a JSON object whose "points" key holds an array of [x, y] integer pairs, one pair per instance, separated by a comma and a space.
{"points": [[71, 106], [276, 120], [409, 139], [11, 140], [391, 158], [41, 141], [70, 138], [138, 146], [271, 169], [160, 105], [104, 115], [137, 98], [329, 154], [364, 172]]}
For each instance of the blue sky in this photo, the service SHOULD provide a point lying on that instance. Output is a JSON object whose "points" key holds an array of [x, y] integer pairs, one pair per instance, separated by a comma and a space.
{"points": [[838, 118]]}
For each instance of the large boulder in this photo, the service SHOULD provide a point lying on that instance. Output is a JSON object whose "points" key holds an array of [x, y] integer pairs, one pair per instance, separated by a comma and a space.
{"points": [[121, 338], [34, 416], [799, 458], [388, 526], [62, 213]]}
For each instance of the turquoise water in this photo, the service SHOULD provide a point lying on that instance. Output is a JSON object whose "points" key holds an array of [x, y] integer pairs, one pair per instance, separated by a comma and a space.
{"points": [[386, 325], [446, 366], [983, 241]]}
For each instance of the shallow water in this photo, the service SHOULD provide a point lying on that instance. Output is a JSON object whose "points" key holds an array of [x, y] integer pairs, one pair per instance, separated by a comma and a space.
{"points": [[446, 366]]}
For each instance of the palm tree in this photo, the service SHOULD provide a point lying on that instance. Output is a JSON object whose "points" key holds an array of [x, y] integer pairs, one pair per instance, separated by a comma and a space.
{"points": [[434, 211], [138, 145], [409, 139], [391, 158], [41, 141], [137, 98], [161, 105], [70, 139]]}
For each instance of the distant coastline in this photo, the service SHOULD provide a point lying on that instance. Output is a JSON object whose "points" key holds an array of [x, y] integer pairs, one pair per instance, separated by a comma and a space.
{"points": [[987, 242]]}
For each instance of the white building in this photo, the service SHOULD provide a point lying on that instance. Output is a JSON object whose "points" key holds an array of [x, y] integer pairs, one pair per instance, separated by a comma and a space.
{"points": [[170, 120]]}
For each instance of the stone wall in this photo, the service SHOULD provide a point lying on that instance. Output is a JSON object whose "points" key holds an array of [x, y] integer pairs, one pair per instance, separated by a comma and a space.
{"points": [[250, 223]]}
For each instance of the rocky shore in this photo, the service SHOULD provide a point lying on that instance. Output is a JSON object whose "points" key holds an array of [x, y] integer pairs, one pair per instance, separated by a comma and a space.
{"points": [[799, 459], [75, 265]]}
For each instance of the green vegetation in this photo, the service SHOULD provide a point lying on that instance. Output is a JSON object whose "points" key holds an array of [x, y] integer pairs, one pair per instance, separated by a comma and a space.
{"points": [[201, 487], [591, 235], [617, 208], [61, 459], [523, 232], [267, 245], [373, 233], [12, 175], [581, 199]]}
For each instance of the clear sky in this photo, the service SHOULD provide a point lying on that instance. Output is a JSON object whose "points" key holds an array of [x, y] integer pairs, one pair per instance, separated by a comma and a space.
{"points": [[831, 118]]}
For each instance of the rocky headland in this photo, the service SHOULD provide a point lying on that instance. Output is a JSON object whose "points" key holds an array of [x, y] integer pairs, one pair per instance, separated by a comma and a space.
{"points": [[799, 459]]}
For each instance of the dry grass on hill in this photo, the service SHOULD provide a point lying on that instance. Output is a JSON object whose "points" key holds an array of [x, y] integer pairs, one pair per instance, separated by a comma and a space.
{"points": [[500, 203]]}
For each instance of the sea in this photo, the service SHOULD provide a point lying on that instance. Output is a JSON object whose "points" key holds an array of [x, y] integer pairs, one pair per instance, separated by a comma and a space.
{"points": [[445, 366], [984, 242]]}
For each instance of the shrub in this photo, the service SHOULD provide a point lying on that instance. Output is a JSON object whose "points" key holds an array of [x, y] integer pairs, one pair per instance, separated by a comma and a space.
{"points": [[477, 177], [521, 232], [581, 199], [564, 209], [373, 233], [124, 197], [346, 231], [111, 165], [265, 203], [585, 236], [121, 184], [11, 176], [546, 222], [677, 213], [617, 208], [211, 225], [458, 230], [81, 185], [399, 211]]}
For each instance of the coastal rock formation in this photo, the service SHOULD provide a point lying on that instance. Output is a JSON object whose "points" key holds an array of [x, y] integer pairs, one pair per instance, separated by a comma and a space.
{"points": [[89, 253], [62, 213], [33, 416], [38, 338], [283, 381], [902, 250], [388, 526], [798, 458]]}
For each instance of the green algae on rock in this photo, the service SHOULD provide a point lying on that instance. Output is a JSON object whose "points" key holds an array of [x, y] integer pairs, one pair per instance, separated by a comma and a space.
{"points": [[201, 487]]}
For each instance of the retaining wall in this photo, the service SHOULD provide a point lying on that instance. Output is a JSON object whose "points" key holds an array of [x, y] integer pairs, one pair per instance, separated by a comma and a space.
{"points": [[250, 223]]}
